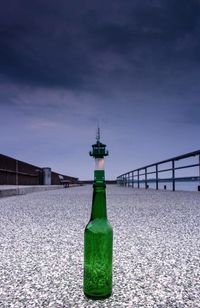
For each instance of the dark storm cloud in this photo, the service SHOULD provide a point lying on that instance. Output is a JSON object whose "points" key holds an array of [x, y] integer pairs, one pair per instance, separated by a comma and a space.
{"points": [[152, 35], [40, 46], [70, 43]]}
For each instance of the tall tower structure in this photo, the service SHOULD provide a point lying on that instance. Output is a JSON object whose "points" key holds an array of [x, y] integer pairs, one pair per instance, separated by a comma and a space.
{"points": [[99, 152]]}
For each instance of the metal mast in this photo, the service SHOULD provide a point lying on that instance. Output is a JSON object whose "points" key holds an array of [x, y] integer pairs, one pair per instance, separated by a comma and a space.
{"points": [[98, 134]]}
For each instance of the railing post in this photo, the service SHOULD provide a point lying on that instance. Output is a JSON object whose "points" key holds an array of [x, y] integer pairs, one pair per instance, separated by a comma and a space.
{"points": [[199, 166], [173, 175], [198, 188], [146, 178], [138, 178], [157, 176], [132, 179]]}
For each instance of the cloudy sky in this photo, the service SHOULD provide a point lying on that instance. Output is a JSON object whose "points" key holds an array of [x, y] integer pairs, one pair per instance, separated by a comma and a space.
{"points": [[132, 66]]}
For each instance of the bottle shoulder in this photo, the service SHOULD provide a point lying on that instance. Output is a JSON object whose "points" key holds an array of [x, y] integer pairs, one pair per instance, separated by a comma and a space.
{"points": [[99, 225]]}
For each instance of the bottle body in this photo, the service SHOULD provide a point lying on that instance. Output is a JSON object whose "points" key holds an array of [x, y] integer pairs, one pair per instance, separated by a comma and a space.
{"points": [[98, 244], [98, 259]]}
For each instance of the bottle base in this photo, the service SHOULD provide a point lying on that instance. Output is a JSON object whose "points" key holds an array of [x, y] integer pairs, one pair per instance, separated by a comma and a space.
{"points": [[97, 297]]}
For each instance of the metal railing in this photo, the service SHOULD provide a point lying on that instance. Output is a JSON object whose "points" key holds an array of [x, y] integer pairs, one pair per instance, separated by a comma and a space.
{"points": [[134, 178]]}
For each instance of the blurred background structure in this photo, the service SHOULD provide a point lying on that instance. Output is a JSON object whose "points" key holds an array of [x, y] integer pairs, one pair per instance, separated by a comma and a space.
{"points": [[16, 172]]}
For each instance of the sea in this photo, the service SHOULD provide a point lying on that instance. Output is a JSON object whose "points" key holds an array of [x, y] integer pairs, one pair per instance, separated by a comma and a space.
{"points": [[185, 186]]}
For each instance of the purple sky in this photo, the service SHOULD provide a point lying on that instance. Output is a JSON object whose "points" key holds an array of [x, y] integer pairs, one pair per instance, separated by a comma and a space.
{"points": [[132, 66]]}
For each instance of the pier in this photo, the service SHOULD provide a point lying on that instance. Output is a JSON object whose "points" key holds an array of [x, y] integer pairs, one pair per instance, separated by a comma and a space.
{"points": [[156, 248]]}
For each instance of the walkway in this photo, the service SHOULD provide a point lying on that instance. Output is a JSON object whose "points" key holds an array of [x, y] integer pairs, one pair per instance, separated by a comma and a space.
{"points": [[156, 248], [13, 190]]}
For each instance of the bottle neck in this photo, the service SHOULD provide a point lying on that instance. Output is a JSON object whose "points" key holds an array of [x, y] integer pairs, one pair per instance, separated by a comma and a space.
{"points": [[99, 201]]}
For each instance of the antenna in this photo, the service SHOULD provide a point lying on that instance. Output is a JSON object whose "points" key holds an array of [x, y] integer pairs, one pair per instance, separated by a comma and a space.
{"points": [[98, 134]]}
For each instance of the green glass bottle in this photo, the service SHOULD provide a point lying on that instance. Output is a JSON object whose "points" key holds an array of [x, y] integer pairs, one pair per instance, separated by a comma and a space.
{"points": [[98, 237]]}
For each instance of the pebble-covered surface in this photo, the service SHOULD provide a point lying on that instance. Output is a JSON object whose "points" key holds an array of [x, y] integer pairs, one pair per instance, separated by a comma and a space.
{"points": [[156, 248]]}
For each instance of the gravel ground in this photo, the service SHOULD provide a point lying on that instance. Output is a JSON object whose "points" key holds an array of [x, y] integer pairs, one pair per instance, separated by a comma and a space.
{"points": [[156, 248]]}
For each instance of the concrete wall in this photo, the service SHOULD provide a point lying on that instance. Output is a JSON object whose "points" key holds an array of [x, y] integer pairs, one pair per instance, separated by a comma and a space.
{"points": [[16, 172]]}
